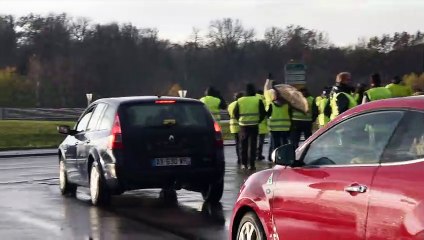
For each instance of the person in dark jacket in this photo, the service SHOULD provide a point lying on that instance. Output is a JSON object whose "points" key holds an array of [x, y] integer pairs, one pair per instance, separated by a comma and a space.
{"points": [[341, 96]]}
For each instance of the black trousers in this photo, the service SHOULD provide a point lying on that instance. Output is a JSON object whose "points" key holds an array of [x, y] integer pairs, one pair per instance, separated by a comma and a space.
{"points": [[237, 140], [261, 142], [299, 127], [278, 138], [248, 138]]}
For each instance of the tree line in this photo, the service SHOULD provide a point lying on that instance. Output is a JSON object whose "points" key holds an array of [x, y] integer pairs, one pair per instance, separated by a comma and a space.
{"points": [[54, 60]]}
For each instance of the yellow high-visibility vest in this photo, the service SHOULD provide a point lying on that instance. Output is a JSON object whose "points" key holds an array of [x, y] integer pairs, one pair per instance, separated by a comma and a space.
{"points": [[322, 119], [333, 104], [263, 126], [248, 110], [398, 90], [378, 93], [212, 103], [234, 125], [280, 118], [300, 116]]}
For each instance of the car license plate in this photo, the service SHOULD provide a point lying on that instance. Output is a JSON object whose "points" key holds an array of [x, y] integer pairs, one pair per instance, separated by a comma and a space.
{"points": [[173, 161]]}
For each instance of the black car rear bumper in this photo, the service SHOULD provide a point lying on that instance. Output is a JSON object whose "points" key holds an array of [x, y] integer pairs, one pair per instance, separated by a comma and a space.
{"points": [[163, 177]]}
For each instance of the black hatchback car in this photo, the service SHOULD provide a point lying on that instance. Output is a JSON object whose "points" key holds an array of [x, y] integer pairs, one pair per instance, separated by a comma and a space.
{"points": [[128, 143]]}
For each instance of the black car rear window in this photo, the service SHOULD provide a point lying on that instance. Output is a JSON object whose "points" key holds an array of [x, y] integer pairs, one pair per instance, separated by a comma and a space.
{"points": [[175, 114]]}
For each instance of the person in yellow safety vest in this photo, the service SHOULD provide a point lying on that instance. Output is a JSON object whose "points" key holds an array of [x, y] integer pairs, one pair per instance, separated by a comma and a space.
{"points": [[358, 95], [279, 122], [249, 111], [376, 92], [398, 89], [341, 99], [214, 103], [263, 128], [320, 103], [234, 125], [268, 101], [301, 122]]}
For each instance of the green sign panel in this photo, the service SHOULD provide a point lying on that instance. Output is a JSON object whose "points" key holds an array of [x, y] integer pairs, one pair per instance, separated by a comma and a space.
{"points": [[295, 73]]}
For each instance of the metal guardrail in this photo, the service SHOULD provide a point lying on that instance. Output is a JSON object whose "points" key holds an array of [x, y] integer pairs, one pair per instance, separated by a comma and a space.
{"points": [[40, 113], [54, 114]]}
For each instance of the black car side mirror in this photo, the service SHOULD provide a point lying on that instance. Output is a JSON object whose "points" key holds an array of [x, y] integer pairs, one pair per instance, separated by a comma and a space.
{"points": [[63, 129], [284, 155]]}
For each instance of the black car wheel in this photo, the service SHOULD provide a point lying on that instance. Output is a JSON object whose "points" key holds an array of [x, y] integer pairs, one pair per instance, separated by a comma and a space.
{"points": [[66, 188], [99, 192], [213, 192], [250, 227]]}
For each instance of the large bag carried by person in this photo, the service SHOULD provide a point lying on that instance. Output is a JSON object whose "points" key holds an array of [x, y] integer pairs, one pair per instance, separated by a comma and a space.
{"points": [[285, 93]]}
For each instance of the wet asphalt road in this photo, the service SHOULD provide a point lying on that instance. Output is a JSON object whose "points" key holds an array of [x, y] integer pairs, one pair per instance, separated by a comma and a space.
{"points": [[31, 207]]}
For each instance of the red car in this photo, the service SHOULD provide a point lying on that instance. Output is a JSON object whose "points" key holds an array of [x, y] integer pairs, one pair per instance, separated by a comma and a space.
{"points": [[360, 177]]}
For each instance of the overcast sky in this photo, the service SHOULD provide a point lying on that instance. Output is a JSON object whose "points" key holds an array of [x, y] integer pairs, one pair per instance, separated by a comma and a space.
{"points": [[344, 20]]}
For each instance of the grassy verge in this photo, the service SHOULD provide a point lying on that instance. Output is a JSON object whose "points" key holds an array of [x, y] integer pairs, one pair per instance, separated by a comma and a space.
{"points": [[20, 134]]}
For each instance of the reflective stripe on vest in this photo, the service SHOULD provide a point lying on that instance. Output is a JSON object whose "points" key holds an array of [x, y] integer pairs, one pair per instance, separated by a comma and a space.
{"points": [[234, 125], [263, 126], [322, 119], [280, 118], [212, 103], [248, 110], [300, 116], [378, 93], [333, 104]]}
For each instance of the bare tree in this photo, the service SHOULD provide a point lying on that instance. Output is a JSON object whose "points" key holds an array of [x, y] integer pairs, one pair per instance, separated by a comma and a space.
{"points": [[195, 39], [79, 28], [229, 33], [274, 37]]}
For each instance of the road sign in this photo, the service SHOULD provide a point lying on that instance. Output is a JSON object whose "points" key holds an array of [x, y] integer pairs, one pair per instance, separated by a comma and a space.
{"points": [[295, 73], [182, 93], [89, 98]]}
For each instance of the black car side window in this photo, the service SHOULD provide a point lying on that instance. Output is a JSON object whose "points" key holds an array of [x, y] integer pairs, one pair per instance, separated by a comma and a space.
{"points": [[408, 141], [83, 122], [96, 116], [358, 140], [107, 118]]}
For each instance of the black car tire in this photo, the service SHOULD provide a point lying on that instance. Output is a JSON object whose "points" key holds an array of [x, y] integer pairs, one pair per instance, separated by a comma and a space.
{"points": [[99, 193], [248, 223], [66, 188], [213, 192]]}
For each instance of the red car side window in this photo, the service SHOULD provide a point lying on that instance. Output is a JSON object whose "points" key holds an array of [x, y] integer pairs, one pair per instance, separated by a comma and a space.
{"points": [[358, 140], [408, 141]]}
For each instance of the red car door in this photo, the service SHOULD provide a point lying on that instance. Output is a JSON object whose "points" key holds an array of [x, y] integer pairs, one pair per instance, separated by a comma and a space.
{"points": [[327, 197], [396, 208], [322, 203]]}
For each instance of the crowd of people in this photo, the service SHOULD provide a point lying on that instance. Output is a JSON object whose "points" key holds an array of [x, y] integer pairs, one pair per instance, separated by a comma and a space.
{"points": [[254, 113]]}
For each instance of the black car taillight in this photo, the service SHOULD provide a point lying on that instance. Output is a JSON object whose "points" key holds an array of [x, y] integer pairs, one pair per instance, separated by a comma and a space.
{"points": [[115, 138], [219, 142]]}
